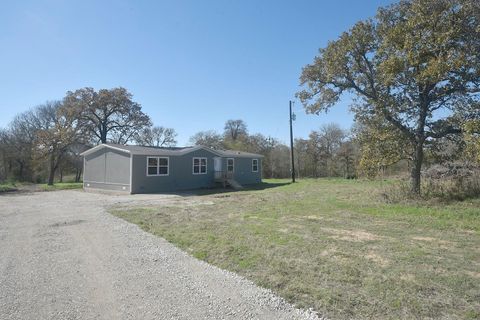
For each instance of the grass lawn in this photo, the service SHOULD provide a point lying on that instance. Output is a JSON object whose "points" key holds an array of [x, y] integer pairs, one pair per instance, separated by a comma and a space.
{"points": [[60, 186], [24, 186], [334, 246]]}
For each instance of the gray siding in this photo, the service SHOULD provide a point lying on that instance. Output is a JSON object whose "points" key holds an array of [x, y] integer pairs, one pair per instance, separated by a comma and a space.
{"points": [[107, 169], [180, 175], [110, 170], [243, 173]]}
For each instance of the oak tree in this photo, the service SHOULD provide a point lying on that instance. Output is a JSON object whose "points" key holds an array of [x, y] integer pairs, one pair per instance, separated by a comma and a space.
{"points": [[415, 65], [234, 129], [108, 114]]}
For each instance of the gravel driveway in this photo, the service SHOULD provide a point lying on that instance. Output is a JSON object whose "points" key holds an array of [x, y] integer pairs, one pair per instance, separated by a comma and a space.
{"points": [[62, 256]]}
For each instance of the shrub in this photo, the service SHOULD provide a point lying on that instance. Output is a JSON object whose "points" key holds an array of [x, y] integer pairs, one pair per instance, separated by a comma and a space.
{"points": [[452, 182]]}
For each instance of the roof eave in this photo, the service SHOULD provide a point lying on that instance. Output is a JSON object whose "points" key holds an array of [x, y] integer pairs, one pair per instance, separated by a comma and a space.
{"points": [[100, 146]]}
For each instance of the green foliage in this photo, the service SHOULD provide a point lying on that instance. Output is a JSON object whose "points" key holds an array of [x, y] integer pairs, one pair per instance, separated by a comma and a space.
{"points": [[380, 146], [6, 187], [472, 139], [61, 186]]}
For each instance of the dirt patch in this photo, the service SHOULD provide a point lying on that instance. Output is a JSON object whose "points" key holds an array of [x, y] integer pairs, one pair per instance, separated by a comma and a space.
{"points": [[473, 274], [378, 259], [314, 218], [351, 235], [430, 239], [328, 252], [407, 277]]}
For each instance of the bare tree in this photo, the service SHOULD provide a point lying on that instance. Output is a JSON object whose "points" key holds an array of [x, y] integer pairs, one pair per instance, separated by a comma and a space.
{"points": [[209, 139], [156, 137], [5, 155], [235, 129], [302, 158], [19, 140], [59, 130], [75, 159]]}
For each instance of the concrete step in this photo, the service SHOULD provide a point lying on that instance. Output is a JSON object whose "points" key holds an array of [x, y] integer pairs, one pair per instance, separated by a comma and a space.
{"points": [[234, 184]]}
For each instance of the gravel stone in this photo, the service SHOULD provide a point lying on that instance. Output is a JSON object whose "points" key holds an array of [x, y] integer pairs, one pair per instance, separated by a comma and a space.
{"points": [[62, 256]]}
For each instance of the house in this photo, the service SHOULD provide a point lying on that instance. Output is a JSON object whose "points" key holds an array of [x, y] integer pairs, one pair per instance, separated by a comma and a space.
{"points": [[139, 169]]}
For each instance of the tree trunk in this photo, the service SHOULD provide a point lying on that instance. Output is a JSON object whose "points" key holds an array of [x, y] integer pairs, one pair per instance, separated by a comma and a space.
{"points": [[103, 132], [20, 170], [78, 175], [51, 172], [6, 167], [415, 173], [61, 175]]}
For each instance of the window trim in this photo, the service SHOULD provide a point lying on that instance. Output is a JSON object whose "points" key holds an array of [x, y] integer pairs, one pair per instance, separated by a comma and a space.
{"points": [[199, 165], [233, 164], [255, 160], [158, 167]]}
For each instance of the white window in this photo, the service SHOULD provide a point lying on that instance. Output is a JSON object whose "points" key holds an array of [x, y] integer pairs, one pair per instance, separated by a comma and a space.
{"points": [[157, 166], [230, 164], [199, 166], [254, 165]]}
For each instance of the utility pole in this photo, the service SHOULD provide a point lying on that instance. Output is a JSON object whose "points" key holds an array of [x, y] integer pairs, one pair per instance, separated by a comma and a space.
{"points": [[291, 142]]}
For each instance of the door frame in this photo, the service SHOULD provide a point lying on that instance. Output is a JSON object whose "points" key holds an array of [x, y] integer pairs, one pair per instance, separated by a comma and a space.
{"points": [[232, 172]]}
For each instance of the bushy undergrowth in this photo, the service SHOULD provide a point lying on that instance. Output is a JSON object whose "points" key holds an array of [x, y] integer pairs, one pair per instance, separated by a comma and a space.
{"points": [[7, 186], [441, 189]]}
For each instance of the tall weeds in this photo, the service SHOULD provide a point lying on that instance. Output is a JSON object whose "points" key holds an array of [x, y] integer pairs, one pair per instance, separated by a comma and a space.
{"points": [[446, 189]]}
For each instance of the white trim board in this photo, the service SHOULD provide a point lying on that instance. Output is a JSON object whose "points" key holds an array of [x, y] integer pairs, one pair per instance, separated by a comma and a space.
{"points": [[100, 146], [158, 166], [112, 183], [256, 165], [199, 165]]}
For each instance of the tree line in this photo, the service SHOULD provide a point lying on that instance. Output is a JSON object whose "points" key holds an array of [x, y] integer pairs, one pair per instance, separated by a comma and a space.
{"points": [[329, 151], [413, 70], [47, 140]]}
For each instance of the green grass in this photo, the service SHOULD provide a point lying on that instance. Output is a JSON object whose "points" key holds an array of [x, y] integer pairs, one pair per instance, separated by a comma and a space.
{"points": [[8, 186], [334, 245], [60, 186], [26, 186]]}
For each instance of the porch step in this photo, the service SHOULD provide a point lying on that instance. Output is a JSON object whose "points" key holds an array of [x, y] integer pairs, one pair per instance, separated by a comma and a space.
{"points": [[234, 184]]}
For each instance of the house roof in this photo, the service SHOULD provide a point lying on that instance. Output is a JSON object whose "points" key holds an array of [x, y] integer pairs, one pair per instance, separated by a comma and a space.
{"points": [[169, 151], [235, 153]]}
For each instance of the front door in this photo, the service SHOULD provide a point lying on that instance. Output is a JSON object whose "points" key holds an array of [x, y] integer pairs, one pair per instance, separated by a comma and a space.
{"points": [[230, 167], [217, 167]]}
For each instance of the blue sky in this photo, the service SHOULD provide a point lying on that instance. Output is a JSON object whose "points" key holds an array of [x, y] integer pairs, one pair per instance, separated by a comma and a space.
{"points": [[192, 65]]}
